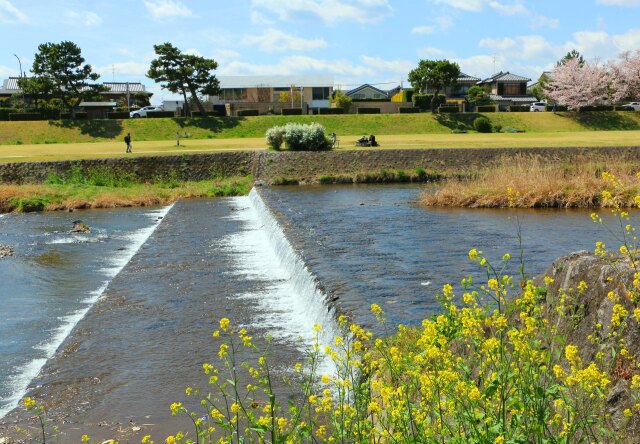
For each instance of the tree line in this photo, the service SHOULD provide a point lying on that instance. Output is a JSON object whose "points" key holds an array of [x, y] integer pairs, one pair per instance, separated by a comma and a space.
{"points": [[61, 78]]}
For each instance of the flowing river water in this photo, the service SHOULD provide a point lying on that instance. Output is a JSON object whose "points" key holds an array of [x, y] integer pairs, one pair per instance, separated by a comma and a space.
{"points": [[110, 327]]}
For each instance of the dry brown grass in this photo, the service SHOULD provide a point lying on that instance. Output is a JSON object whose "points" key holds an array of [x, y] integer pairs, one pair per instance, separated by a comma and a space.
{"points": [[540, 183]]}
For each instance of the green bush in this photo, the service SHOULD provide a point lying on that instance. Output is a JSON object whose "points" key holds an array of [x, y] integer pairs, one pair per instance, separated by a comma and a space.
{"points": [[623, 108], [118, 115], [423, 101], [519, 108], [486, 108], [497, 128], [330, 110], [368, 111], [408, 109], [79, 116], [596, 108], [291, 111], [248, 112], [482, 125], [448, 109], [14, 117]]}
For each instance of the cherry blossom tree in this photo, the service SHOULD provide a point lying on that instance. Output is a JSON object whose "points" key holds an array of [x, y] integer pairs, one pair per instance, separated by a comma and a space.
{"points": [[626, 77], [577, 84]]}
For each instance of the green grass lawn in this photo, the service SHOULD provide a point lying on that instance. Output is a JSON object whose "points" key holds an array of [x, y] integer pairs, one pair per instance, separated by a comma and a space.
{"points": [[54, 132]]}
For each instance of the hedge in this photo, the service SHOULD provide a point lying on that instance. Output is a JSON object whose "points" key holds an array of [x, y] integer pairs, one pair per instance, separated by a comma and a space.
{"points": [[624, 108], [448, 109], [4, 113], [160, 114], [330, 110], [79, 116], [597, 108], [486, 108], [368, 111], [408, 109], [291, 111], [519, 108], [248, 112], [558, 108], [423, 101], [25, 116], [118, 115]]}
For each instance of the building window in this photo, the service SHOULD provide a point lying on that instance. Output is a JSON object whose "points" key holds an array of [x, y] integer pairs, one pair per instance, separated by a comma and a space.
{"points": [[359, 96], [320, 94], [231, 94], [511, 89]]}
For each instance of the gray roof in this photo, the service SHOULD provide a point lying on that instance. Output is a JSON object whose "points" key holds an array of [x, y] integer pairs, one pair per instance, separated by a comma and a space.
{"points": [[274, 81], [467, 78], [505, 77], [10, 86], [524, 99], [366, 85]]}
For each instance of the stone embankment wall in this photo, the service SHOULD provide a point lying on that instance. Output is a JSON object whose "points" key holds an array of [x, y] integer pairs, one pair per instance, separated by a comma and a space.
{"points": [[304, 166]]}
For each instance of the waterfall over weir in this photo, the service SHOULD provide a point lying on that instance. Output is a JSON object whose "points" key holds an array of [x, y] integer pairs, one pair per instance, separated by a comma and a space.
{"points": [[291, 299]]}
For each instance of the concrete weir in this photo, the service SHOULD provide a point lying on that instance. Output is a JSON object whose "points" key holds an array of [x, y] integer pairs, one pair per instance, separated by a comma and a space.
{"points": [[303, 166]]}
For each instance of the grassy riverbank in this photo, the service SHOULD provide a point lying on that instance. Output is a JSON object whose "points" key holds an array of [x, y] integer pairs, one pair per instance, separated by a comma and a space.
{"points": [[109, 192], [535, 182], [56, 132]]}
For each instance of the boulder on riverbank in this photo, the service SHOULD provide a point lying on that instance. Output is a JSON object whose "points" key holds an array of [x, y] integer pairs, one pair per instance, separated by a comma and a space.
{"points": [[587, 322], [80, 227], [5, 251]]}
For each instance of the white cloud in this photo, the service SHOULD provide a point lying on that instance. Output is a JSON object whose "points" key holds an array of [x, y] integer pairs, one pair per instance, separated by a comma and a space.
{"points": [[429, 52], [276, 40], [329, 11], [540, 21], [84, 18], [11, 14], [398, 67], [425, 29], [509, 9], [527, 47], [513, 8], [259, 19], [167, 9], [620, 2]]}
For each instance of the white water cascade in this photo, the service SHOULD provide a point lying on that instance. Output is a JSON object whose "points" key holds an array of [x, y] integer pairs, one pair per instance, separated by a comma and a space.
{"points": [[290, 299]]}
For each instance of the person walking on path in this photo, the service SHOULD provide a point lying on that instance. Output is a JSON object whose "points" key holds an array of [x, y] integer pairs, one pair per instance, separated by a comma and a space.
{"points": [[127, 140]]}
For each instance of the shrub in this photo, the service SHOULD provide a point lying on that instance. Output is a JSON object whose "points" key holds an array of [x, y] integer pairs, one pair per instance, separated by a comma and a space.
{"points": [[330, 110], [368, 110], [458, 131], [291, 111], [486, 108], [275, 137], [482, 125], [408, 109], [25, 116], [497, 128], [281, 180], [623, 108], [118, 115], [341, 100], [519, 108], [79, 116], [298, 137], [596, 108], [423, 101], [248, 112]]}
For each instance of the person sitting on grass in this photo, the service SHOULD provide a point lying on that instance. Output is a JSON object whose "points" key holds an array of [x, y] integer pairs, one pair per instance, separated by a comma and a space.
{"points": [[363, 141], [372, 140]]}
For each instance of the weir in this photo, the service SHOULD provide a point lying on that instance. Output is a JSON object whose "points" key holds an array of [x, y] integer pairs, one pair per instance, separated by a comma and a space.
{"points": [[292, 298], [46, 349]]}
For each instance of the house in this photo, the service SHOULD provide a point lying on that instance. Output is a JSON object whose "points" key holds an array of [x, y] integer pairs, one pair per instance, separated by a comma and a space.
{"points": [[460, 89], [97, 110], [507, 89], [264, 92], [367, 92], [114, 92]]}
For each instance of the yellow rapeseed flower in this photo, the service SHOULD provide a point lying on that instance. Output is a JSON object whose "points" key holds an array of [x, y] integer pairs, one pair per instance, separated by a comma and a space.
{"points": [[224, 324]]}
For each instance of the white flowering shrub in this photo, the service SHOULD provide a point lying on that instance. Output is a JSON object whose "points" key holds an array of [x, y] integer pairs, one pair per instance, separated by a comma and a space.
{"points": [[299, 137], [275, 137]]}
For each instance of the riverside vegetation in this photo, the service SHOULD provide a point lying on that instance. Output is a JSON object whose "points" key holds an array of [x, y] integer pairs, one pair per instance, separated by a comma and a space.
{"points": [[108, 188], [493, 367]]}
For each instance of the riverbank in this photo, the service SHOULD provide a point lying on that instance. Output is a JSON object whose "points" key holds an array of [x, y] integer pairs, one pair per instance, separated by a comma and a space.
{"points": [[530, 181], [87, 194]]}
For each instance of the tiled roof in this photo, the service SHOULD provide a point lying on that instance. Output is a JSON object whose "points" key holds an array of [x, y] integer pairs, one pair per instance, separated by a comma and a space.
{"points": [[505, 77], [97, 104], [366, 85], [10, 86], [524, 99], [467, 78]]}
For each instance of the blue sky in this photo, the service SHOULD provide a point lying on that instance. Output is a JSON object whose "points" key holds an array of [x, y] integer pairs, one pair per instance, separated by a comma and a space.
{"points": [[356, 41]]}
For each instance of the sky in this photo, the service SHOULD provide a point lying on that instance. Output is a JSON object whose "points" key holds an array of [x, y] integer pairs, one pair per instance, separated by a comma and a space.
{"points": [[356, 41]]}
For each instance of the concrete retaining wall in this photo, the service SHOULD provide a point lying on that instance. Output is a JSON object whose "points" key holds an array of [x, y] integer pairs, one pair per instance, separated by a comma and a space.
{"points": [[308, 166]]}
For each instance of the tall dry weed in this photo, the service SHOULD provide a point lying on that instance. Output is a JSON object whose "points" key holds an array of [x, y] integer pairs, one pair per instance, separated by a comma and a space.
{"points": [[538, 182]]}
